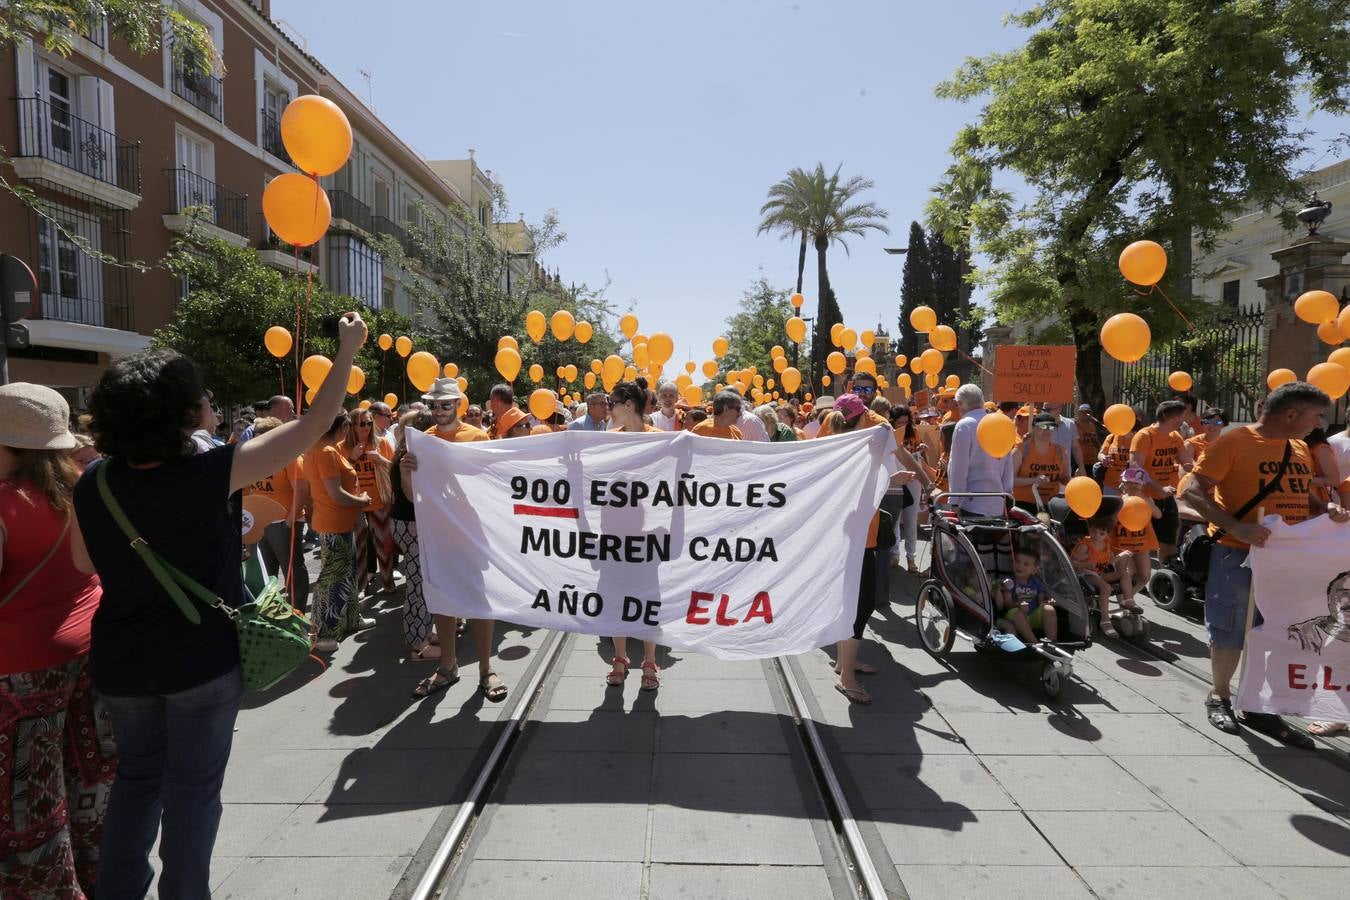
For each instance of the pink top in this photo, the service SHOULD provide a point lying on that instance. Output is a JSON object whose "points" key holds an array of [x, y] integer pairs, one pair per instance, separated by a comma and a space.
{"points": [[47, 623]]}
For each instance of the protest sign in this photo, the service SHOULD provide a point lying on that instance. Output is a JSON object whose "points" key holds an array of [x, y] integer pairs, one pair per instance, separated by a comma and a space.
{"points": [[740, 550], [1041, 374], [1298, 659]]}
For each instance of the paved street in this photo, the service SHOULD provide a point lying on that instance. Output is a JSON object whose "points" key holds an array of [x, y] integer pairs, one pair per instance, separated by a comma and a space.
{"points": [[966, 781]]}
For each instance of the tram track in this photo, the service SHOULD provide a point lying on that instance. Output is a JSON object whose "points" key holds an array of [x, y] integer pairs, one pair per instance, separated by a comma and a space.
{"points": [[847, 846]]}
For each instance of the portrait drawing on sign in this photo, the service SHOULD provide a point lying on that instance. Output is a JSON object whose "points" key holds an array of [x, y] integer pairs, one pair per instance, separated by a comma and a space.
{"points": [[1318, 632]]}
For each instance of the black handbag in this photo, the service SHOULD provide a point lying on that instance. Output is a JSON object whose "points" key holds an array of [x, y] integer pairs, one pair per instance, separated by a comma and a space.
{"points": [[1195, 554], [886, 530]]}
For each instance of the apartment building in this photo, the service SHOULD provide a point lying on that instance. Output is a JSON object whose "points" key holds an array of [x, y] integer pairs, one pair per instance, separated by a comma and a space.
{"points": [[120, 145]]}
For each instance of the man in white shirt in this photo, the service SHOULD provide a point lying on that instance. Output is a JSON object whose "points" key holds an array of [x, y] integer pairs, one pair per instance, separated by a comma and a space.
{"points": [[666, 415], [1340, 445], [597, 414], [752, 429], [969, 467], [1066, 435]]}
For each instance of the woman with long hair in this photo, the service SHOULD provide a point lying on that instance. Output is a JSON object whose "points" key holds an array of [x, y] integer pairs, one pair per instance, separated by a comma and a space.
{"points": [[338, 501], [907, 522], [173, 685], [370, 457], [56, 750]]}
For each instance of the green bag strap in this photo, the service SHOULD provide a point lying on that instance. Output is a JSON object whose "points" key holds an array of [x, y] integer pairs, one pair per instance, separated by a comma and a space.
{"points": [[169, 577]]}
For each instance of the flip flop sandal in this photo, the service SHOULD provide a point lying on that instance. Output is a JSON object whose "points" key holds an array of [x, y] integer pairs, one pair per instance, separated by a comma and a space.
{"points": [[855, 695], [616, 675], [1109, 630], [495, 693], [652, 681], [1272, 725], [436, 682], [1328, 729], [1221, 715]]}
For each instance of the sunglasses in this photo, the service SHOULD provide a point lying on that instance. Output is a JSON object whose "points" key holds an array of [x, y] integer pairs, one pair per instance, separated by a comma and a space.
{"points": [[1046, 427], [1211, 421], [863, 389], [442, 404]]}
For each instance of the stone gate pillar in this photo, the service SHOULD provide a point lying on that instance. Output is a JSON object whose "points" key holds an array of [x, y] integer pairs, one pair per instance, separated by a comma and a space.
{"points": [[1310, 264]]}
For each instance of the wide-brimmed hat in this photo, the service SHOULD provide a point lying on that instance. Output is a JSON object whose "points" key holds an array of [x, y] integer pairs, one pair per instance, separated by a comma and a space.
{"points": [[826, 402], [508, 420], [444, 389], [34, 417]]}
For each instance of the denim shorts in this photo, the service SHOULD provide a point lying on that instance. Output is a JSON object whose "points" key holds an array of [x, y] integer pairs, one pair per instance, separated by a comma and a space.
{"points": [[1228, 590]]}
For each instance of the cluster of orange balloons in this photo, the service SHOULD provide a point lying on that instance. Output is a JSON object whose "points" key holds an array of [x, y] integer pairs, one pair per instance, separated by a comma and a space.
{"points": [[318, 138]]}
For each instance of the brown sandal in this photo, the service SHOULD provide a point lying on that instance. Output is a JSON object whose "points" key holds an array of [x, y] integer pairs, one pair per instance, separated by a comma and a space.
{"points": [[652, 681], [617, 675]]}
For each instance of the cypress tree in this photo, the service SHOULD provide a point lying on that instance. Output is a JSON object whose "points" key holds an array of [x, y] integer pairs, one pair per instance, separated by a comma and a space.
{"points": [[916, 288]]}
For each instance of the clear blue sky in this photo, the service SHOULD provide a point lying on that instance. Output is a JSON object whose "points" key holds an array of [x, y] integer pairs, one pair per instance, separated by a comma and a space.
{"points": [[654, 129]]}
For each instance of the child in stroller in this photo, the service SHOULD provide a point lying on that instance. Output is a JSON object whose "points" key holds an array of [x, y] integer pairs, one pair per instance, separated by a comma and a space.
{"points": [[1024, 601]]}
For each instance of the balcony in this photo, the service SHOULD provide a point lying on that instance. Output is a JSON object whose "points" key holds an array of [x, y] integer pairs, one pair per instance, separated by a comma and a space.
{"points": [[271, 141], [202, 90], [278, 254], [223, 213], [61, 148], [347, 208]]}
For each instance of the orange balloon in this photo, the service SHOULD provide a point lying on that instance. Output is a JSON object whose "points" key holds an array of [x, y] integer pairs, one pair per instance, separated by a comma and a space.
{"points": [[296, 209], [996, 434], [1340, 356], [612, 369], [278, 341], [1343, 322], [391, 401], [1333, 379], [596, 366], [1084, 496], [867, 337], [1118, 419], [355, 381], [931, 361], [780, 363], [922, 319], [628, 324], [1126, 337], [848, 339], [930, 380], [317, 135], [364, 404], [423, 369], [866, 364], [1134, 513], [314, 370], [1180, 381], [583, 332], [775, 351], [641, 355], [535, 325], [507, 340], [900, 361], [543, 403], [709, 369], [386, 341], [690, 366], [507, 362], [836, 362], [660, 348], [720, 347], [952, 382], [916, 365], [1279, 377], [792, 380], [904, 379], [1316, 307], [570, 372], [451, 370], [943, 337], [403, 345], [462, 382], [1143, 263], [825, 380], [630, 373], [562, 324], [536, 373], [693, 395], [797, 300], [589, 380], [1330, 333], [836, 333]]}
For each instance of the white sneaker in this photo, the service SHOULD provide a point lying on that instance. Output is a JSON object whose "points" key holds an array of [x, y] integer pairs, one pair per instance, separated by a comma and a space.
{"points": [[365, 623]]}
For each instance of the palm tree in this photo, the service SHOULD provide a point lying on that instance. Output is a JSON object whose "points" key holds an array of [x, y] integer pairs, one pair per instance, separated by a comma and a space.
{"points": [[785, 212]]}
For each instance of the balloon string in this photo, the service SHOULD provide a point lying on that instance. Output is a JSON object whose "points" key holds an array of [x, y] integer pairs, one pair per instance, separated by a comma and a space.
{"points": [[974, 363], [1180, 314]]}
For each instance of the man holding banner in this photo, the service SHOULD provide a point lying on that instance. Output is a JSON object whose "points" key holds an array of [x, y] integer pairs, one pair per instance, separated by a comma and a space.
{"points": [[1259, 469]]}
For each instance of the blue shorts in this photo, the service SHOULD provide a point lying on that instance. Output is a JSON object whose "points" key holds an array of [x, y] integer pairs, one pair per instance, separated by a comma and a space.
{"points": [[1228, 590]]}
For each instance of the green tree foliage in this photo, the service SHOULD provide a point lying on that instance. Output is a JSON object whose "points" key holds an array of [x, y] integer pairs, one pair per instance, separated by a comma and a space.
{"points": [[758, 324], [827, 210], [1136, 119], [233, 299], [467, 295], [916, 289]]}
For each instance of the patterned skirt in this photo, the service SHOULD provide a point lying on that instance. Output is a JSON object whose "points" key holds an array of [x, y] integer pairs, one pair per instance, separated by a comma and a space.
{"points": [[334, 607]]}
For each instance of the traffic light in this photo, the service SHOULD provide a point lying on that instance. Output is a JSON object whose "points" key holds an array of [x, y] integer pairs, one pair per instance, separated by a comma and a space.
{"points": [[18, 291]]}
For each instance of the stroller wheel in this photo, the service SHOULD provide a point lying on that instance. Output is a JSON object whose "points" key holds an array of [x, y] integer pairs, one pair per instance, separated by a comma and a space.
{"points": [[1167, 590], [1050, 680], [933, 619]]}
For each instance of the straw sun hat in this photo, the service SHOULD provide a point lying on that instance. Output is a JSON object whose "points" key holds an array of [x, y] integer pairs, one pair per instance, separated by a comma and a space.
{"points": [[34, 417]]}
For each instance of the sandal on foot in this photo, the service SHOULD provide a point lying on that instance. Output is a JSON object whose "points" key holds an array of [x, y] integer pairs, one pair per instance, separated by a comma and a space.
{"points": [[436, 682], [1272, 725], [913, 568], [650, 680], [1109, 630], [1221, 715], [426, 651], [1327, 729], [618, 672], [855, 695], [495, 693]]}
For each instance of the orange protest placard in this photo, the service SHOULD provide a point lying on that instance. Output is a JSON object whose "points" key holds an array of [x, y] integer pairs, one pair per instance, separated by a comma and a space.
{"points": [[1034, 374]]}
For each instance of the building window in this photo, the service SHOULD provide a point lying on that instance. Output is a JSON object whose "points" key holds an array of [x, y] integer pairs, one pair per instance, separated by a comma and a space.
{"points": [[1232, 290], [70, 280], [275, 100], [354, 269]]}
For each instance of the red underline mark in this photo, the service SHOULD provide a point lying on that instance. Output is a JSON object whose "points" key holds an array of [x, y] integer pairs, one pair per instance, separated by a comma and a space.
{"points": [[553, 512]]}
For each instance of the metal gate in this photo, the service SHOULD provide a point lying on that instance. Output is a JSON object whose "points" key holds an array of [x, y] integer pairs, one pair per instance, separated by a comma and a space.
{"points": [[1224, 360]]}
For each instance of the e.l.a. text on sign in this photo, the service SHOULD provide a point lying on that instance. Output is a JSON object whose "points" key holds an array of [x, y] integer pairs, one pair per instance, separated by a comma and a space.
{"points": [[693, 542]]}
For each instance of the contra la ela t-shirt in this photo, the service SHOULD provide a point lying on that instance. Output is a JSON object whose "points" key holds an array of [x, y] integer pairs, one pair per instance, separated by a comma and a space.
{"points": [[1241, 462], [1160, 453]]}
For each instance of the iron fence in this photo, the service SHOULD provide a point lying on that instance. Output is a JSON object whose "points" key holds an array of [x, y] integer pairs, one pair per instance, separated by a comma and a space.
{"points": [[1224, 360], [199, 88], [271, 136], [348, 209], [48, 131], [78, 245], [228, 210]]}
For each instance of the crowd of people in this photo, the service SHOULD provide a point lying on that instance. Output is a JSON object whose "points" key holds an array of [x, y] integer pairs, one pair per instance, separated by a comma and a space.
{"points": [[122, 707]]}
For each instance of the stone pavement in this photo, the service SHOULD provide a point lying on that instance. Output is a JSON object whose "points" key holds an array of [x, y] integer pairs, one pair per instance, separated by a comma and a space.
{"points": [[966, 780]]}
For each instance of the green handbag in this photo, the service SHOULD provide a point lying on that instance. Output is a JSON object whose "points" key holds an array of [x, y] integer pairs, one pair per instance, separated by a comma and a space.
{"points": [[273, 636]]}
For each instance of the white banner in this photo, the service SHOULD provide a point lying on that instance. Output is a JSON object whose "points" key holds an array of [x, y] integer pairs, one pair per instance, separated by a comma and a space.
{"points": [[1298, 660], [740, 550]]}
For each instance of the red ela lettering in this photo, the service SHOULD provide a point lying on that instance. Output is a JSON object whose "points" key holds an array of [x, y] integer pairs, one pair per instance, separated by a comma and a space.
{"points": [[698, 613], [1298, 674]]}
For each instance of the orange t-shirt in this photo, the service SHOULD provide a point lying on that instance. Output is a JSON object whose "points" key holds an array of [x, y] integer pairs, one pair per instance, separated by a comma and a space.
{"points": [[1241, 461], [1086, 553], [1036, 461], [706, 428], [327, 461], [365, 471], [281, 486], [645, 428], [1161, 454], [1125, 541], [465, 433], [949, 417], [1116, 449]]}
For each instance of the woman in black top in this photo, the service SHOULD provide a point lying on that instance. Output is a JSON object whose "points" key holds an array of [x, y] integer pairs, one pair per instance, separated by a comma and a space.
{"points": [[171, 686], [416, 618]]}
